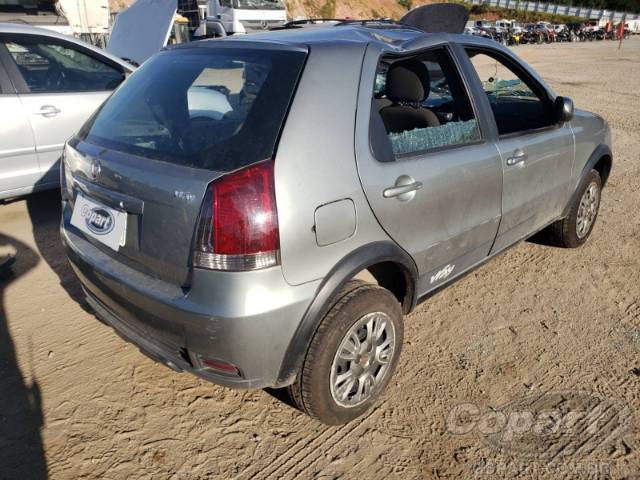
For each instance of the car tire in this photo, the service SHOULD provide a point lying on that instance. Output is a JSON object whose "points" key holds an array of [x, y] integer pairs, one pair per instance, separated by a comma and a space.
{"points": [[574, 230], [334, 390]]}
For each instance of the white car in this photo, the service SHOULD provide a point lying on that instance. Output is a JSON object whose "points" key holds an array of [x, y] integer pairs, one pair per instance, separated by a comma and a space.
{"points": [[50, 84]]}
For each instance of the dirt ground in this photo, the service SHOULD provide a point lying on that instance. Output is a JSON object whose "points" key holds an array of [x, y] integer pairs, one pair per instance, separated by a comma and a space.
{"points": [[538, 329]]}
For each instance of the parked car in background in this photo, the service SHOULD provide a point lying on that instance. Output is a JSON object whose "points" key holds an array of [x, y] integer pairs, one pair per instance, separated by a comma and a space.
{"points": [[544, 26], [390, 161], [49, 86], [483, 24], [592, 25]]}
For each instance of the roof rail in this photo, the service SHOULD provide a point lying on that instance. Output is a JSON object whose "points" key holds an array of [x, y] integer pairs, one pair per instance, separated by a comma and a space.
{"points": [[377, 22], [308, 21], [338, 22]]}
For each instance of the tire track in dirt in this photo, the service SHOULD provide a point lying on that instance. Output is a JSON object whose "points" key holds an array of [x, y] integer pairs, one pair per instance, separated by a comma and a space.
{"points": [[295, 456]]}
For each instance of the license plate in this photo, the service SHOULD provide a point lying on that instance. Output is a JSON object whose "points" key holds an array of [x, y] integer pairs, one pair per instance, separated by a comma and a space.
{"points": [[105, 224]]}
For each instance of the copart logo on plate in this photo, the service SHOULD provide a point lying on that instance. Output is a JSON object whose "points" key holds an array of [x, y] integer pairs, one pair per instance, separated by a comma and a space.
{"points": [[548, 425], [98, 220]]}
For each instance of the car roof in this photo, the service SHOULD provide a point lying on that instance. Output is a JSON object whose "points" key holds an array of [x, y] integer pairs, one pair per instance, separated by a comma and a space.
{"points": [[13, 28], [388, 36], [397, 39]]}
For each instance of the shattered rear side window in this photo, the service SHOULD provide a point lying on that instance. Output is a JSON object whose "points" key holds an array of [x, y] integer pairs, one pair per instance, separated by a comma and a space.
{"points": [[419, 139]]}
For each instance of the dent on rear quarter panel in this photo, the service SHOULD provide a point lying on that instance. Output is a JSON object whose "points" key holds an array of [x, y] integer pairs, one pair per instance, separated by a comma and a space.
{"points": [[315, 163]]}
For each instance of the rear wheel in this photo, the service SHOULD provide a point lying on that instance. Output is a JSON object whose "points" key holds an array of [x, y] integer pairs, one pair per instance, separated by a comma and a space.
{"points": [[574, 230], [352, 355]]}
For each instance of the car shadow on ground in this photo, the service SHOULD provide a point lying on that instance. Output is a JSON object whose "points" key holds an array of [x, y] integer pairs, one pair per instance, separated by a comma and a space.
{"points": [[21, 418], [44, 211]]}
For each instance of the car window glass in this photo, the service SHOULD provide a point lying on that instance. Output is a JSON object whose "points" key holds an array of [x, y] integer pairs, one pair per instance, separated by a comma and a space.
{"points": [[217, 110], [57, 68], [423, 103], [516, 106]]}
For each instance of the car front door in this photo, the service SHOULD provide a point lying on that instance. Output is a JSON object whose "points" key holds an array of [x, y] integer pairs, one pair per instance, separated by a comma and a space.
{"points": [[18, 159], [434, 185], [59, 85], [537, 152]]}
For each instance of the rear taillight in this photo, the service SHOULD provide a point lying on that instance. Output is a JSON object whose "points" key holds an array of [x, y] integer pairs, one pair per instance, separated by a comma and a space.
{"points": [[238, 227]]}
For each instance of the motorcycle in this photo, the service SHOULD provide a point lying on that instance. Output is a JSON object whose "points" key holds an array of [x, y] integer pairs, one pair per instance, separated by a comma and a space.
{"points": [[514, 38], [564, 35]]}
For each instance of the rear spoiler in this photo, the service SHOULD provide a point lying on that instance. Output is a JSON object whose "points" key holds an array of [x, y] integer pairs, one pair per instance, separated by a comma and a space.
{"points": [[433, 18], [438, 17]]}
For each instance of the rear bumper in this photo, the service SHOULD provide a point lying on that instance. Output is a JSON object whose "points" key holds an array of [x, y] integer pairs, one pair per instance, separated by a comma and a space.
{"points": [[247, 319]]}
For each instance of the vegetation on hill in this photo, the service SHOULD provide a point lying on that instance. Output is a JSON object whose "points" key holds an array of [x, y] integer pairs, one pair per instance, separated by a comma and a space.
{"points": [[397, 8]]}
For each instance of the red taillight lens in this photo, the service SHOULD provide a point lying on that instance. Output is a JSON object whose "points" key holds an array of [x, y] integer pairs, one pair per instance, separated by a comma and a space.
{"points": [[244, 211], [239, 221]]}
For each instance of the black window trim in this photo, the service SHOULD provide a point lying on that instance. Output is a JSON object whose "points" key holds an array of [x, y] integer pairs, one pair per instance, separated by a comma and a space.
{"points": [[6, 85], [18, 80], [447, 47], [516, 67]]}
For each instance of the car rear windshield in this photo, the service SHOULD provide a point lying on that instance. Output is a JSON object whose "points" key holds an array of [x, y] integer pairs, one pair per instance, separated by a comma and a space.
{"points": [[213, 108]]}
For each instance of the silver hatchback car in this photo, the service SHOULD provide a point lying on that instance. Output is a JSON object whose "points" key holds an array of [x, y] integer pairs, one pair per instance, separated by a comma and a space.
{"points": [[263, 211], [50, 84]]}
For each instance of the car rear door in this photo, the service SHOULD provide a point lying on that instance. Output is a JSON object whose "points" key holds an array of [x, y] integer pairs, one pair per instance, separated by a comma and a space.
{"points": [[537, 153], [18, 159], [439, 201], [60, 85]]}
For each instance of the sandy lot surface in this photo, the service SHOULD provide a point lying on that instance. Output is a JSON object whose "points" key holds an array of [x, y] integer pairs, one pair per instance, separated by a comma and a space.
{"points": [[537, 330]]}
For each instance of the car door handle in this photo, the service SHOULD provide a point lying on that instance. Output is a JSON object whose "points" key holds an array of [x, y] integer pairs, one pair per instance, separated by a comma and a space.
{"points": [[518, 158], [399, 190], [48, 111]]}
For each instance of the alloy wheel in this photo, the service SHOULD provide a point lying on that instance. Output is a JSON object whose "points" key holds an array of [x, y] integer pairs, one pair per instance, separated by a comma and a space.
{"points": [[587, 210], [362, 360]]}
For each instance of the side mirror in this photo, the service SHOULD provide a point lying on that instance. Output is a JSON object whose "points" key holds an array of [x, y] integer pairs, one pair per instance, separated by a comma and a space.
{"points": [[563, 107]]}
